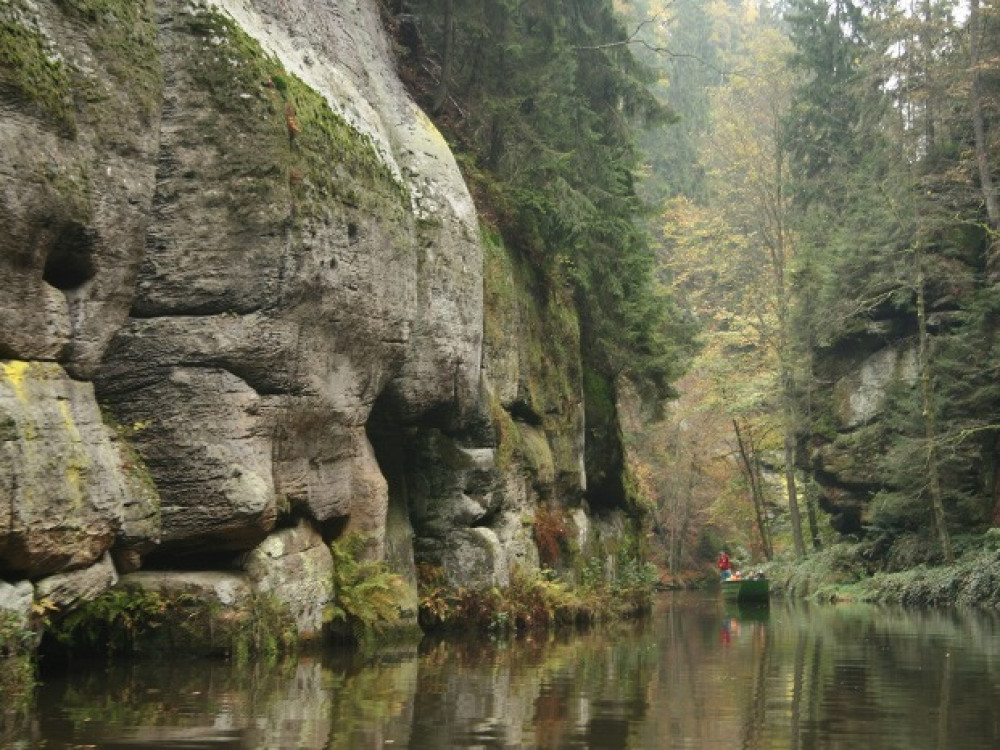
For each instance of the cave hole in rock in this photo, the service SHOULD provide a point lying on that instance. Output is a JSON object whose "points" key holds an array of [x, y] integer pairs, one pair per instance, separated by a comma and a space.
{"points": [[206, 558], [333, 528], [521, 411], [400, 449], [69, 263], [386, 435]]}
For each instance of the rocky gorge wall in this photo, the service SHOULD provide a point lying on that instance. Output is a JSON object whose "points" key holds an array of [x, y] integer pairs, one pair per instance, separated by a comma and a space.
{"points": [[844, 455], [242, 313], [867, 447]]}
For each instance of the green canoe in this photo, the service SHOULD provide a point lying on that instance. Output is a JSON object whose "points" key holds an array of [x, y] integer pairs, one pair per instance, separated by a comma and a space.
{"points": [[745, 590]]}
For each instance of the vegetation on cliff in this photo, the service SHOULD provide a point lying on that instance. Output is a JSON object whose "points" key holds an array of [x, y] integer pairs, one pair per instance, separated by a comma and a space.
{"points": [[539, 600], [294, 152], [857, 572], [541, 103]]}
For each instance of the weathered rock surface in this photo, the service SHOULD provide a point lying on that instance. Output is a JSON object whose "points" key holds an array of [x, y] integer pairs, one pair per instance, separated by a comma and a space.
{"points": [[68, 488], [846, 460], [78, 125], [267, 328], [296, 568], [16, 601], [227, 231], [245, 253], [207, 612], [64, 591], [860, 394]]}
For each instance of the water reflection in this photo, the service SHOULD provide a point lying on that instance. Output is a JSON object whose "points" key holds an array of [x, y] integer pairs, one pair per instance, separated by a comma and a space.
{"points": [[699, 674]]}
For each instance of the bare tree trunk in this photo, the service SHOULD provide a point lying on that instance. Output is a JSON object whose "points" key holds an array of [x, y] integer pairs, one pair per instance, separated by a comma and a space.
{"points": [[447, 57], [979, 126], [758, 469], [789, 418], [810, 488], [672, 541], [756, 494], [817, 545], [779, 250], [790, 484], [926, 56], [930, 420]]}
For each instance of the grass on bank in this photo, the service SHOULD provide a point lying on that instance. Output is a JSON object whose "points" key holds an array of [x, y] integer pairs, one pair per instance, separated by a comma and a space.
{"points": [[536, 599], [862, 572]]}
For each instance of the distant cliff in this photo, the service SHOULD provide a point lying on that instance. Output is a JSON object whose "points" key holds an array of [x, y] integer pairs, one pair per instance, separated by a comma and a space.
{"points": [[243, 313]]}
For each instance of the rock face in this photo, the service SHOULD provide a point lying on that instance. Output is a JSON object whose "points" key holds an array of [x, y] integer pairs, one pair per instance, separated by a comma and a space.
{"points": [[70, 489], [287, 281], [296, 568], [242, 291], [845, 460]]}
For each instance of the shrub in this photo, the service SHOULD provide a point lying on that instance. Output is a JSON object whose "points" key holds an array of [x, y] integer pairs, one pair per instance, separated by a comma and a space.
{"points": [[366, 593], [550, 534], [131, 620], [17, 667]]}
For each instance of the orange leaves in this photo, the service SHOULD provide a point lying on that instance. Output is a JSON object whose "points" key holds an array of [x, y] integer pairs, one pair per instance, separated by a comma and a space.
{"points": [[291, 122]]}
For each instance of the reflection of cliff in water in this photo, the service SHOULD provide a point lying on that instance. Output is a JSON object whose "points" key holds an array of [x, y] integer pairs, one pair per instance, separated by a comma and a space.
{"points": [[696, 675], [582, 691]]}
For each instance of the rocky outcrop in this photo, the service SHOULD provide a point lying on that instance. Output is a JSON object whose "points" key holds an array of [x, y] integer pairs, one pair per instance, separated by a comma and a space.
{"points": [[72, 489], [243, 314], [203, 612], [295, 568], [845, 456]]}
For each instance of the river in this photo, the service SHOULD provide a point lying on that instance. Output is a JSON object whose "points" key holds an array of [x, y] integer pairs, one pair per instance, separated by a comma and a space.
{"points": [[697, 674]]}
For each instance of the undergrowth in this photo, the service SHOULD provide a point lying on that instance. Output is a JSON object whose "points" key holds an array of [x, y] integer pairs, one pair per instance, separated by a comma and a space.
{"points": [[535, 600], [17, 670], [366, 593], [850, 572], [131, 620]]}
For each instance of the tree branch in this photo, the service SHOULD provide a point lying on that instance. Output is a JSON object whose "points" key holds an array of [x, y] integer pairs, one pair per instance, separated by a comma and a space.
{"points": [[633, 38]]}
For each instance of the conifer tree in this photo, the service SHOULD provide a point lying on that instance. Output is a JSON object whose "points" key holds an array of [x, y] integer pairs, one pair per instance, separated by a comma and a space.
{"points": [[544, 98]]}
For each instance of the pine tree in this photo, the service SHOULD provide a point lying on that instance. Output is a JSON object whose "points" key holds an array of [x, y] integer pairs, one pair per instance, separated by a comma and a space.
{"points": [[544, 98]]}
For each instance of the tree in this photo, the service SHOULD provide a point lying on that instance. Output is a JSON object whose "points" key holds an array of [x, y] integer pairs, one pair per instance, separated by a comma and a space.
{"points": [[543, 99], [729, 403], [887, 245], [686, 44], [750, 463], [749, 168], [977, 33]]}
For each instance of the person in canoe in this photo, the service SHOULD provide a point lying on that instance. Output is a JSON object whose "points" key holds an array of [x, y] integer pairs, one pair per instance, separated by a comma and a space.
{"points": [[725, 566]]}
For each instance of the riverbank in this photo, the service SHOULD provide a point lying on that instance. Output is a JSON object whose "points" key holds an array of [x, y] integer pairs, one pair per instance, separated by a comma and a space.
{"points": [[852, 572]]}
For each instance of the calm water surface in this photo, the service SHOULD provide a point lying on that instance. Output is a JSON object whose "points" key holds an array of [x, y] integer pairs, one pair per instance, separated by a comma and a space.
{"points": [[696, 675]]}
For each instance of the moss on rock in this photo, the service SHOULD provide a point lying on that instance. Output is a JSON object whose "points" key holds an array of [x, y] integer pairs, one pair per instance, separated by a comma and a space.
{"points": [[31, 71], [291, 146], [532, 344], [44, 75]]}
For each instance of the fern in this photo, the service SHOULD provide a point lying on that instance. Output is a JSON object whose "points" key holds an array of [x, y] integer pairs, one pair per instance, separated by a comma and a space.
{"points": [[366, 593]]}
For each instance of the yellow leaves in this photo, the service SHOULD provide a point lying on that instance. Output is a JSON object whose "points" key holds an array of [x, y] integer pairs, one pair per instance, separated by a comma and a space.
{"points": [[44, 607]]}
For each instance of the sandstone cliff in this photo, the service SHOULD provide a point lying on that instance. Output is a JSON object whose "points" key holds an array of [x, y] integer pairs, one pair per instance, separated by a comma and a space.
{"points": [[242, 312]]}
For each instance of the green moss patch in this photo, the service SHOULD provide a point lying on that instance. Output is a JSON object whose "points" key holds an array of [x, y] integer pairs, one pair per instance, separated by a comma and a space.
{"points": [[39, 72], [291, 140], [123, 37], [133, 620], [31, 72], [537, 317]]}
